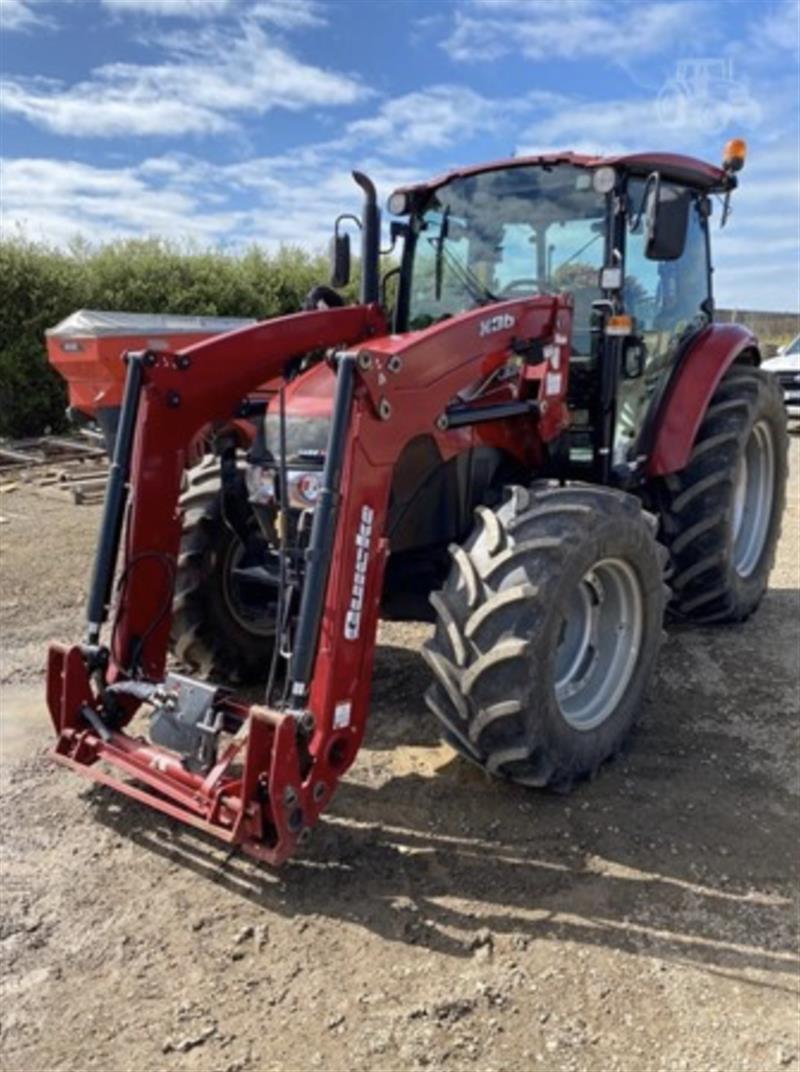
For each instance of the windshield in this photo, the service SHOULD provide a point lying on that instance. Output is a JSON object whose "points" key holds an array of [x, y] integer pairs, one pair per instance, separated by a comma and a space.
{"points": [[505, 234]]}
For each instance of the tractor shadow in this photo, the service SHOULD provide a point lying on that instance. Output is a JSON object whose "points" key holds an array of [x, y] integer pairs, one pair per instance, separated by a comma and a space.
{"points": [[684, 848]]}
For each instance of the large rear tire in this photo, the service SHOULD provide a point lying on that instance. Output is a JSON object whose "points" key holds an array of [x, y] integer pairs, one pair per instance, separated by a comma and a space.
{"points": [[721, 515], [222, 626], [548, 628]]}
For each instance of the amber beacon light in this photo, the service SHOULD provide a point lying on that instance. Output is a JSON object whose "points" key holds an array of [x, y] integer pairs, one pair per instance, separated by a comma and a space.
{"points": [[735, 153]]}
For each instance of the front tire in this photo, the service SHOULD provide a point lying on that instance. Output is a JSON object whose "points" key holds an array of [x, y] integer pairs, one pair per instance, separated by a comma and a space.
{"points": [[721, 514], [548, 629], [223, 627]]}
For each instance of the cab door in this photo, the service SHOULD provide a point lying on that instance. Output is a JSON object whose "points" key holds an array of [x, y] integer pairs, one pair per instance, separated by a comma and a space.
{"points": [[670, 300]]}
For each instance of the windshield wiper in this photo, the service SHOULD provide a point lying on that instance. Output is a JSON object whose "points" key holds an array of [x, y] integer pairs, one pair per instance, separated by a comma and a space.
{"points": [[440, 241], [480, 294]]}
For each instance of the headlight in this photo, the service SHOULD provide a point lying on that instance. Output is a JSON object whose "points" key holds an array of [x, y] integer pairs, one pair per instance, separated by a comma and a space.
{"points": [[398, 203], [604, 179], [302, 485], [260, 485], [304, 489]]}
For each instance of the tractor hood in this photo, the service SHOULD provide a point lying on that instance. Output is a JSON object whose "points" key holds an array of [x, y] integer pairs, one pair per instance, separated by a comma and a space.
{"points": [[308, 402]]}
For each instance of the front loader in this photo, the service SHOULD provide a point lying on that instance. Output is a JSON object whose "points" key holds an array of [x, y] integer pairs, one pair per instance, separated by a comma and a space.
{"points": [[544, 442]]}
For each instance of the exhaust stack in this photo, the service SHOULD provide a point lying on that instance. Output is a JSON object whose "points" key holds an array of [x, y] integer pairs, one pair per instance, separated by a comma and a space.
{"points": [[370, 240]]}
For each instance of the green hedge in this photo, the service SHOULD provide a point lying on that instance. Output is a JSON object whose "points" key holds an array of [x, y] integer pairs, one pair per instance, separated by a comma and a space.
{"points": [[40, 285]]}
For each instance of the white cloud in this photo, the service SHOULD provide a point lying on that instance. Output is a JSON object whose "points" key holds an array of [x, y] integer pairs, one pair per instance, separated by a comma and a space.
{"points": [[102, 109], [56, 200], [289, 14], [208, 80], [443, 117], [432, 118], [778, 27], [270, 200], [21, 15], [194, 9], [284, 14], [613, 126], [486, 30]]}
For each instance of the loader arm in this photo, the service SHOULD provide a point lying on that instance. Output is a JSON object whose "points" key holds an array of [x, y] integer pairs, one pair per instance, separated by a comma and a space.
{"points": [[279, 768]]}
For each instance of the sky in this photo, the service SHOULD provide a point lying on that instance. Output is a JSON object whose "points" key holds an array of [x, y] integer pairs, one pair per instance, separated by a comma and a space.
{"points": [[232, 122]]}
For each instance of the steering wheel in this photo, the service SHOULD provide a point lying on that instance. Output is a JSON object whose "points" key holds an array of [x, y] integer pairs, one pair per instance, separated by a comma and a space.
{"points": [[520, 285], [322, 297]]}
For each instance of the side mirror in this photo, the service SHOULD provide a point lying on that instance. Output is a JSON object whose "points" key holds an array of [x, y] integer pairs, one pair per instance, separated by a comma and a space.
{"points": [[666, 214], [340, 259]]}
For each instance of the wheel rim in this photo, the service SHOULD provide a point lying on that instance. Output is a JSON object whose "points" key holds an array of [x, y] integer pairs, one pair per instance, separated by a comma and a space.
{"points": [[245, 598], [599, 643], [752, 499]]}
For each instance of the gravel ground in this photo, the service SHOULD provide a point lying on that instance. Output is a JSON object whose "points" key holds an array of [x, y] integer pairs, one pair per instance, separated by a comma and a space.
{"points": [[437, 920]]}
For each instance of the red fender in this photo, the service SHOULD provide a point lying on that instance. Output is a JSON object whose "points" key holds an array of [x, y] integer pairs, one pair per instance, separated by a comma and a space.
{"points": [[701, 368]]}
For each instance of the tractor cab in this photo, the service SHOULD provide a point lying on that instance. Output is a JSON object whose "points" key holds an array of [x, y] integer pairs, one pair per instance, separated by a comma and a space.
{"points": [[626, 237]]}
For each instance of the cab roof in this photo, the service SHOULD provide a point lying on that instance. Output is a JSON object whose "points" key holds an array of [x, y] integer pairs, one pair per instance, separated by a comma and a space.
{"points": [[685, 169]]}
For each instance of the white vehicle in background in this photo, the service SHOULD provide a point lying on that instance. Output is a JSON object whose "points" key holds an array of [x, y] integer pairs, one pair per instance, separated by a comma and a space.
{"points": [[785, 366]]}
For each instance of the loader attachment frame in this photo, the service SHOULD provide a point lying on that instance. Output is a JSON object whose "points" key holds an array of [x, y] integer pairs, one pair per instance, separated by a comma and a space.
{"points": [[276, 770]]}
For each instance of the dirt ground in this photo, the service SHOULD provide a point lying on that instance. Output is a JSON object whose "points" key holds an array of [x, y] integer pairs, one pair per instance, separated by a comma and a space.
{"points": [[437, 920]]}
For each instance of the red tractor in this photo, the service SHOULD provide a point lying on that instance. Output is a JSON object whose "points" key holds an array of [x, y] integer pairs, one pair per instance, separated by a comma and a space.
{"points": [[543, 442]]}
